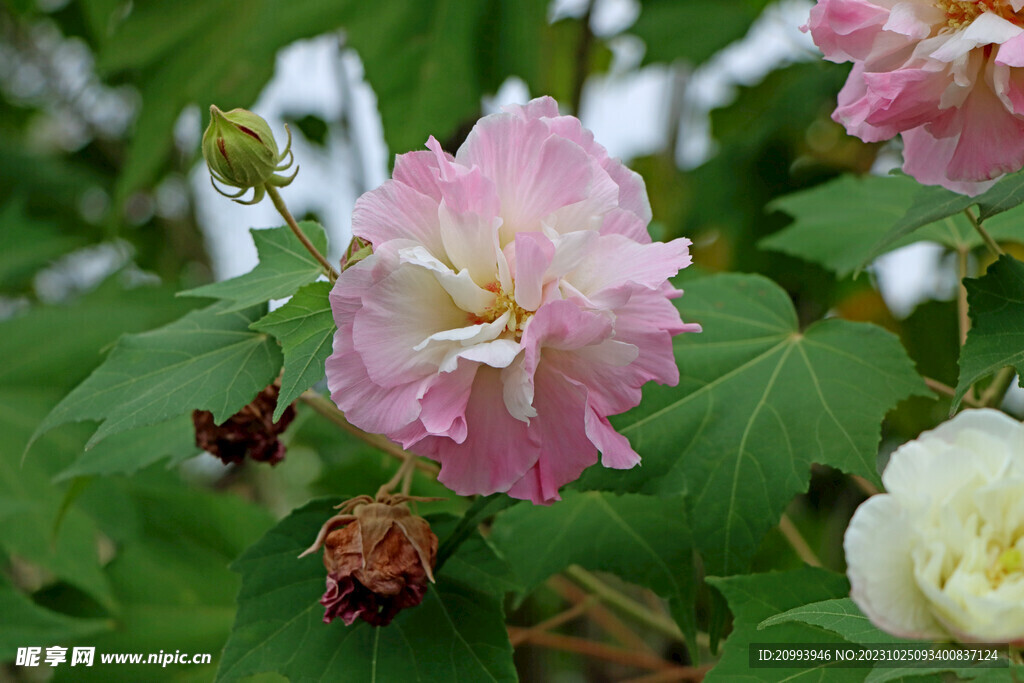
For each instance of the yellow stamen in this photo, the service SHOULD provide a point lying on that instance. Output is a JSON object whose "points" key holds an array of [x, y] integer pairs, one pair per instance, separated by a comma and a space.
{"points": [[960, 13], [504, 302]]}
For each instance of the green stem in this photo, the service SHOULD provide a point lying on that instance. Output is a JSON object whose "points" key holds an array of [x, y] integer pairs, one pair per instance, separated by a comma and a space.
{"points": [[624, 603], [282, 209], [946, 390], [993, 396], [987, 238], [964, 320], [405, 468], [481, 509]]}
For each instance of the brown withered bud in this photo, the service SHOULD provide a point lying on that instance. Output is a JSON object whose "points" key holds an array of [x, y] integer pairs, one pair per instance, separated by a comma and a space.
{"points": [[378, 563], [249, 432]]}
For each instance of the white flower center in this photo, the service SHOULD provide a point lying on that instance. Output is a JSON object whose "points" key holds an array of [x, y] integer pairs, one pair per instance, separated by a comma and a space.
{"points": [[504, 302]]}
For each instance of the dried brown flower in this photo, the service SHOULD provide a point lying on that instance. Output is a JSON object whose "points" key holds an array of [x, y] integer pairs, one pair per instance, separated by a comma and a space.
{"points": [[379, 563], [249, 432]]}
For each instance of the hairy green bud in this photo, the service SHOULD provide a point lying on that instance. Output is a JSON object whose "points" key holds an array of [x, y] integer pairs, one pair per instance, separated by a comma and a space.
{"points": [[241, 152]]}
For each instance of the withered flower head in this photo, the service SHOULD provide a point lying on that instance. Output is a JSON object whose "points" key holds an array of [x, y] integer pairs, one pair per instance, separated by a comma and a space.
{"points": [[378, 563], [249, 432]]}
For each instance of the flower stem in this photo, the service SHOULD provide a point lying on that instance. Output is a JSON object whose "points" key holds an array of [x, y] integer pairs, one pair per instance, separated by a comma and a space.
{"points": [[405, 468], [658, 622], [993, 396], [568, 615], [797, 541], [328, 410], [282, 209], [864, 485], [961, 299], [946, 390], [482, 508], [597, 650], [987, 238], [598, 613]]}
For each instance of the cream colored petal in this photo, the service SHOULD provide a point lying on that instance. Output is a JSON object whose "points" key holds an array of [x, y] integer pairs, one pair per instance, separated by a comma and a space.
{"points": [[881, 572]]}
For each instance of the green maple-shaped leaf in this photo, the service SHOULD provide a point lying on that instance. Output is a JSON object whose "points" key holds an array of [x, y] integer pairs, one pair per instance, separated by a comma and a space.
{"points": [[305, 328], [845, 223], [456, 634], [48, 350], [839, 615], [207, 360], [758, 401], [930, 204], [756, 597], [996, 337], [285, 265], [644, 540]]}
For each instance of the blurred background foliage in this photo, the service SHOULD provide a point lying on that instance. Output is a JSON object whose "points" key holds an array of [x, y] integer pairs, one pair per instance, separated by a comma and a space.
{"points": [[98, 229]]}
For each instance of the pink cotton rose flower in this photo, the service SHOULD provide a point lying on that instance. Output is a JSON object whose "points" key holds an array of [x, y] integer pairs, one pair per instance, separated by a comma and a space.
{"points": [[513, 301], [945, 74]]}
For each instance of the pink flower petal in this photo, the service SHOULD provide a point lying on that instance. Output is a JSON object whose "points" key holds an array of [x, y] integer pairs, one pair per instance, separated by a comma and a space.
{"points": [[498, 449], [560, 425], [534, 253], [617, 260], [615, 449], [391, 323], [397, 211], [845, 30], [534, 172]]}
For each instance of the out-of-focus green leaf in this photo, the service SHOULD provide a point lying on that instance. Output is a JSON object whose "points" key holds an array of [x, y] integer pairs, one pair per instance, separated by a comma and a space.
{"points": [[643, 539], [284, 266], [419, 56], [690, 29], [171, 577], [305, 328], [26, 245], [313, 128], [758, 401], [26, 624], [457, 633], [420, 59], [756, 597], [136, 449], [996, 337], [512, 40], [207, 360], [48, 350]]}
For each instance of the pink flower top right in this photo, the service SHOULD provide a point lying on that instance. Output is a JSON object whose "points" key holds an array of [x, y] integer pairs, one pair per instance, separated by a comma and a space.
{"points": [[944, 74]]}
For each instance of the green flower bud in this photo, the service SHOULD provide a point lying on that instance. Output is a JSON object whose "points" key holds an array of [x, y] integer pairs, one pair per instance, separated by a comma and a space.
{"points": [[241, 152]]}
